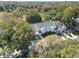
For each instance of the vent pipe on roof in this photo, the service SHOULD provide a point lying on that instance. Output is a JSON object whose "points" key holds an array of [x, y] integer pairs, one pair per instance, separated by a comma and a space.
{"points": [[73, 18]]}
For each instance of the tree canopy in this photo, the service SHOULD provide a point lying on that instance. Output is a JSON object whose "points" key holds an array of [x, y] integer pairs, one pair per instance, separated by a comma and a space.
{"points": [[33, 17]]}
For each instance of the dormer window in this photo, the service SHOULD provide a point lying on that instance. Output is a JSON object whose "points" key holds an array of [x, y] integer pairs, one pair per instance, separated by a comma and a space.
{"points": [[42, 30], [52, 28]]}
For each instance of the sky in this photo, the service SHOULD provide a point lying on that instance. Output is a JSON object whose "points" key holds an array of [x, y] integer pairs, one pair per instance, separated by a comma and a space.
{"points": [[39, 0]]}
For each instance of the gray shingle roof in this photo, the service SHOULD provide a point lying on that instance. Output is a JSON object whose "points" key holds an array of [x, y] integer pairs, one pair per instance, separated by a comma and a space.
{"points": [[36, 27], [77, 20]]}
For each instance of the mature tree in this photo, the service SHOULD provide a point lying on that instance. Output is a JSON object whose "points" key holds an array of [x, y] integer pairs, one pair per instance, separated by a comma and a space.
{"points": [[33, 17], [22, 35], [68, 13], [5, 37], [51, 48], [70, 52], [15, 35]]}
